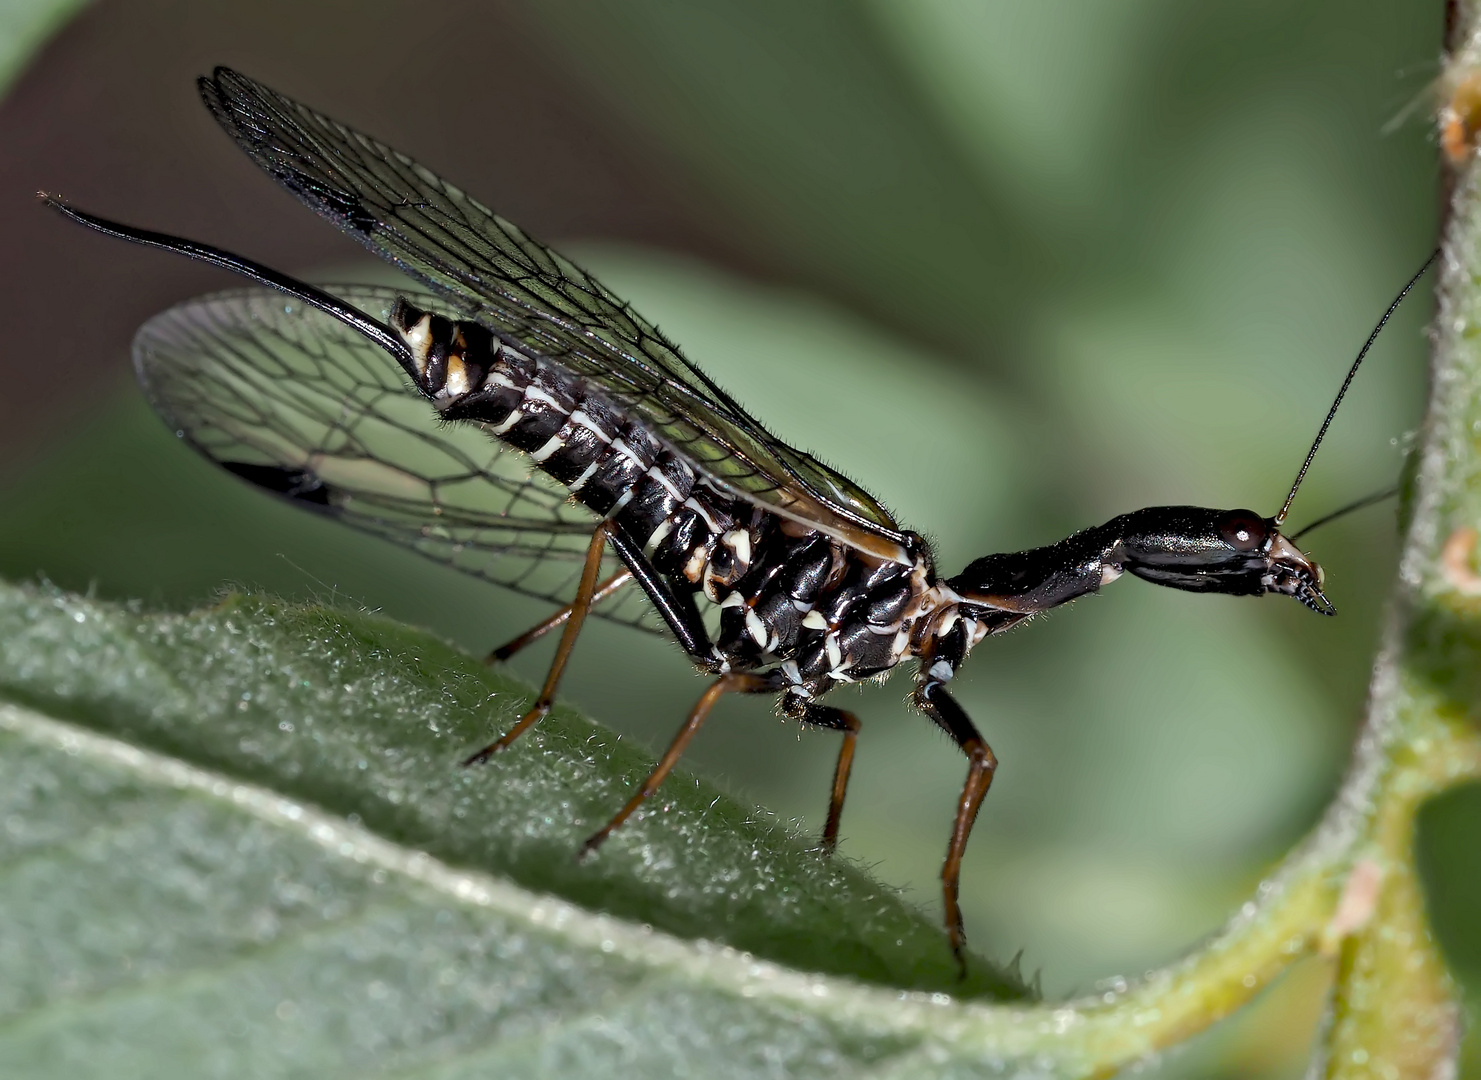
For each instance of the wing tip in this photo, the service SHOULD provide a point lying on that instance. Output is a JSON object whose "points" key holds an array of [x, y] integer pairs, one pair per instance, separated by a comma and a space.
{"points": [[234, 99], [224, 79], [214, 97]]}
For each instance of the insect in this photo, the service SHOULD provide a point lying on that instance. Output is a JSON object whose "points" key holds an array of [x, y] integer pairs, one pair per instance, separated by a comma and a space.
{"points": [[521, 423]]}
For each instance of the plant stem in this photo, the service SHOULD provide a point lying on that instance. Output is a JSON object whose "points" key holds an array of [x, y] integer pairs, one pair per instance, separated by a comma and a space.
{"points": [[1352, 891]]}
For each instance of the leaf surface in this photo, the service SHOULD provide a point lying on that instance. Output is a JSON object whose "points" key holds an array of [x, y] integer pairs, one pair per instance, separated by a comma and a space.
{"points": [[237, 842]]}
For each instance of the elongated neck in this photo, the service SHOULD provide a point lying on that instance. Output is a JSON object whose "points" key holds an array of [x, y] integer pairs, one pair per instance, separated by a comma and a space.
{"points": [[1235, 552]]}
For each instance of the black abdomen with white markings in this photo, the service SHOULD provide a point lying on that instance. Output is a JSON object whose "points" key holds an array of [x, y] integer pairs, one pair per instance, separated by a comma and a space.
{"points": [[814, 583], [792, 599], [609, 462]]}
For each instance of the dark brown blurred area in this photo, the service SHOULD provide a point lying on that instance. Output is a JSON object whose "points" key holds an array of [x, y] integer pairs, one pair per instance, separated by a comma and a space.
{"points": [[108, 117]]}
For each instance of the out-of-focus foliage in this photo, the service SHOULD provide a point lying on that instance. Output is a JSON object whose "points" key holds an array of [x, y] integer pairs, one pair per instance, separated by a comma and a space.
{"points": [[25, 24], [1066, 261]]}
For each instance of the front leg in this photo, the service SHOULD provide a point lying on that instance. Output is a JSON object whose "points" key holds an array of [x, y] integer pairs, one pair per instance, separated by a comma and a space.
{"points": [[933, 700]]}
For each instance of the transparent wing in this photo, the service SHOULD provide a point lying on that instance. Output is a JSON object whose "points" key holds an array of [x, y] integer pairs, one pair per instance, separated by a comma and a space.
{"points": [[299, 403], [494, 273]]}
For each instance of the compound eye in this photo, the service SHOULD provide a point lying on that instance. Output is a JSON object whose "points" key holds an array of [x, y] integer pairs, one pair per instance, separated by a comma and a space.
{"points": [[1244, 530]]}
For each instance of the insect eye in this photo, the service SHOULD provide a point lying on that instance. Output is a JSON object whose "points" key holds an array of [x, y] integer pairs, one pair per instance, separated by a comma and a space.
{"points": [[721, 559], [1244, 530]]}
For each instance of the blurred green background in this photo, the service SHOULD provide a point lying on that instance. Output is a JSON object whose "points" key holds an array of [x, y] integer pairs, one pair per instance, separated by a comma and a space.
{"points": [[1015, 267]]}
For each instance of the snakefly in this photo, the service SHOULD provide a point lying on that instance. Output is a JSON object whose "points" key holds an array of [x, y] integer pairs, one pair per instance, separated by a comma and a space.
{"points": [[521, 423]]}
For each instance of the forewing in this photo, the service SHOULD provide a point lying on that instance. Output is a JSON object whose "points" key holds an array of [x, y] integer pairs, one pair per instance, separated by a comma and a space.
{"points": [[492, 271], [299, 403]]}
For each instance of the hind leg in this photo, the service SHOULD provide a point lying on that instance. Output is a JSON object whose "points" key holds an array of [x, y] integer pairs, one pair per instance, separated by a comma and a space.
{"points": [[535, 633], [585, 597]]}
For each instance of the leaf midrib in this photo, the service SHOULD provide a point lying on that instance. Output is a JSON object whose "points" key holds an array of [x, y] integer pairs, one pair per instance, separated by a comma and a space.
{"points": [[720, 967]]}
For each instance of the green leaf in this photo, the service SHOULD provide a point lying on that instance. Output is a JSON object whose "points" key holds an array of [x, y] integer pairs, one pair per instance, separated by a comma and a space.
{"points": [[240, 839]]}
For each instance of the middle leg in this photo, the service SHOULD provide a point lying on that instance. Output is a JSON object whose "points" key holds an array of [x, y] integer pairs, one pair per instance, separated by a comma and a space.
{"points": [[826, 716], [733, 683]]}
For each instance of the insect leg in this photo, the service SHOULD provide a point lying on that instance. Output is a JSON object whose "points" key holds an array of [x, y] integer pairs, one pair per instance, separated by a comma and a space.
{"points": [[529, 637], [932, 699], [585, 594], [837, 720], [732, 683], [679, 610]]}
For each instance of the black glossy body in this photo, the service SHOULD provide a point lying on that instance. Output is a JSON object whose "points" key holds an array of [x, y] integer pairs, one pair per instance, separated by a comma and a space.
{"points": [[1235, 552], [796, 604], [814, 582]]}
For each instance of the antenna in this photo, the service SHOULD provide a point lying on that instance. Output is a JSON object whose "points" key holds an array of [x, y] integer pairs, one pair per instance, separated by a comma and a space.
{"points": [[1352, 371], [1356, 504]]}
